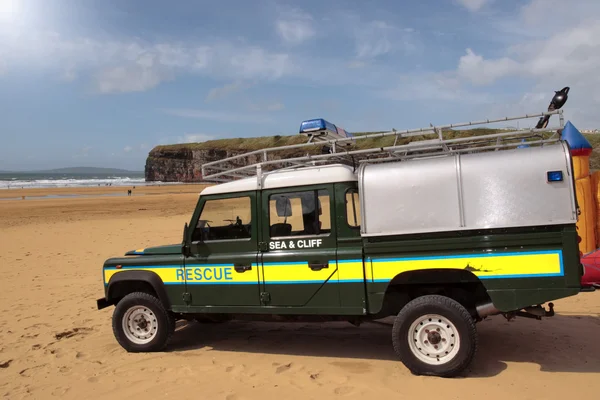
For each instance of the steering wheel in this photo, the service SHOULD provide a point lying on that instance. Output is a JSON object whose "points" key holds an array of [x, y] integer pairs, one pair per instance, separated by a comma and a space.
{"points": [[237, 220]]}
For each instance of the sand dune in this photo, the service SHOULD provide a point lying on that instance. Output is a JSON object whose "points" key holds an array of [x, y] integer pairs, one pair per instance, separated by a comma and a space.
{"points": [[54, 343]]}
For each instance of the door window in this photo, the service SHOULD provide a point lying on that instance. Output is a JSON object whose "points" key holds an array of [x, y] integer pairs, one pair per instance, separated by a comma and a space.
{"points": [[303, 213], [352, 208], [224, 219]]}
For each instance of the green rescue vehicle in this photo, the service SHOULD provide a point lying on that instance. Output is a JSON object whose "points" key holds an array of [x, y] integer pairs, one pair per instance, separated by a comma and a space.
{"points": [[438, 234]]}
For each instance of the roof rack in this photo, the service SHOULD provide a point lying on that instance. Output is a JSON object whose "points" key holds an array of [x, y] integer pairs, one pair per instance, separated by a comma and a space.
{"points": [[341, 150]]}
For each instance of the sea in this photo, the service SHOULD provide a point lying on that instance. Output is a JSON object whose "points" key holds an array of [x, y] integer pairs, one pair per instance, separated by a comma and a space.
{"points": [[26, 180]]}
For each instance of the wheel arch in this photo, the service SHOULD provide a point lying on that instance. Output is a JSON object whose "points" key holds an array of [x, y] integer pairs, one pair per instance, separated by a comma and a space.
{"points": [[458, 284], [125, 282]]}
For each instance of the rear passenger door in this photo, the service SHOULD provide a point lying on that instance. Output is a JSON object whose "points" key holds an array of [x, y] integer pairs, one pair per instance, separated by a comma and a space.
{"points": [[299, 265]]}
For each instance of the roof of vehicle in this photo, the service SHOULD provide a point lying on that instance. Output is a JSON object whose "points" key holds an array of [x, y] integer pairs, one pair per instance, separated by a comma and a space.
{"points": [[293, 177]]}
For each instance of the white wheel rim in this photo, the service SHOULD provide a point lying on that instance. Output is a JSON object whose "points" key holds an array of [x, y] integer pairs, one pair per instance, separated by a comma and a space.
{"points": [[433, 339], [140, 325]]}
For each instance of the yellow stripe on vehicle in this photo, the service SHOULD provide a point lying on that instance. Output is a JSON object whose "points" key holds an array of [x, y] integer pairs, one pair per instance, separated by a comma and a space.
{"points": [[485, 266], [296, 272], [193, 274], [353, 271]]}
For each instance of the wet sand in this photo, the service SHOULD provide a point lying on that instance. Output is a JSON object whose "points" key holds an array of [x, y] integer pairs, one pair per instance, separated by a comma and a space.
{"points": [[54, 343]]}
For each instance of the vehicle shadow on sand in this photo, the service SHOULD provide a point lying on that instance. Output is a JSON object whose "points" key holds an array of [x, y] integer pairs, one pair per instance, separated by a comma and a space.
{"points": [[563, 343]]}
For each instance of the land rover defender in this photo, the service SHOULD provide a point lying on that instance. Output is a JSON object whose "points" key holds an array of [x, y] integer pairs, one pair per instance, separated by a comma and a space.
{"points": [[438, 237]]}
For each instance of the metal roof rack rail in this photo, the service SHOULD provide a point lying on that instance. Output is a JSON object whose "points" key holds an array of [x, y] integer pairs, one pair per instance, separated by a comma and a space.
{"points": [[341, 149]]}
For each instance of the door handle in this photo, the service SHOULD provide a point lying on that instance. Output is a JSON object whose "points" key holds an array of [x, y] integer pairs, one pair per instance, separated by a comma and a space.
{"points": [[242, 268], [318, 266]]}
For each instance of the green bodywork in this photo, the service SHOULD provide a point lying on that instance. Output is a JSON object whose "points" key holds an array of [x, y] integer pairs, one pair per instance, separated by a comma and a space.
{"points": [[329, 295]]}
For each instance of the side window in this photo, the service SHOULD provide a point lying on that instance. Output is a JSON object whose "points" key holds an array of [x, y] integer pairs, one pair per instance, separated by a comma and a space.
{"points": [[299, 213], [352, 208], [224, 219]]}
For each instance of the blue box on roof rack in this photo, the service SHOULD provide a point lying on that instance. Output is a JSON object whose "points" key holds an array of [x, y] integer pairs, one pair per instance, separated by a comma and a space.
{"points": [[321, 127]]}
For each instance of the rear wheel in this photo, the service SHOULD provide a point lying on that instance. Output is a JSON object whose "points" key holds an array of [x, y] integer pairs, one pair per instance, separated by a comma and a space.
{"points": [[142, 324], [435, 335]]}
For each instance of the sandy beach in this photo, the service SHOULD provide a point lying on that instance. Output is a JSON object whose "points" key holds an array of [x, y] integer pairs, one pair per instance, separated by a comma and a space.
{"points": [[55, 343]]}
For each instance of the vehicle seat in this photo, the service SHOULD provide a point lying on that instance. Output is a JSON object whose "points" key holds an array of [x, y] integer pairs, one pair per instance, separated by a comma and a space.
{"points": [[281, 229]]}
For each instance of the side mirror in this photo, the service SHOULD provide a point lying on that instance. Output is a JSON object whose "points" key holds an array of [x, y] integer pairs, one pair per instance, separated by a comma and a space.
{"points": [[185, 245]]}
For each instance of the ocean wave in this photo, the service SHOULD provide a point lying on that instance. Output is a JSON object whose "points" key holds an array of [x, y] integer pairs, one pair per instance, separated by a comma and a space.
{"points": [[74, 182]]}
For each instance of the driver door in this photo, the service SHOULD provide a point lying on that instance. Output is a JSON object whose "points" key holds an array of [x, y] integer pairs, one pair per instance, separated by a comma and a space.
{"points": [[222, 268]]}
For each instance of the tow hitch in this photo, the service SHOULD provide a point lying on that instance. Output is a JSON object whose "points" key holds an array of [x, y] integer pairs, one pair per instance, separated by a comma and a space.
{"points": [[536, 312]]}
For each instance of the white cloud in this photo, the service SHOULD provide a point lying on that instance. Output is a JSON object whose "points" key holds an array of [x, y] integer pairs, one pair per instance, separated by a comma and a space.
{"points": [[226, 90], [276, 106], [480, 71], [135, 65], [219, 116], [431, 87], [573, 55], [373, 40], [536, 14], [378, 38], [295, 26], [130, 78], [128, 149], [542, 51], [474, 5], [545, 58], [132, 65], [253, 62], [187, 138]]}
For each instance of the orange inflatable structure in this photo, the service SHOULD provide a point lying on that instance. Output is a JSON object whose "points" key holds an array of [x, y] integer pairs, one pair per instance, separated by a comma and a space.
{"points": [[587, 187]]}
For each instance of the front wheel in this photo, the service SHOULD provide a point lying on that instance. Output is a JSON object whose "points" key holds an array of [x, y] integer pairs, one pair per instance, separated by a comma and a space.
{"points": [[142, 324], [435, 335]]}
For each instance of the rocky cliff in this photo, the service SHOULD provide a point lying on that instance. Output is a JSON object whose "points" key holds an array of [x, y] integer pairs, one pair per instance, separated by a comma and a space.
{"points": [[183, 162], [179, 165]]}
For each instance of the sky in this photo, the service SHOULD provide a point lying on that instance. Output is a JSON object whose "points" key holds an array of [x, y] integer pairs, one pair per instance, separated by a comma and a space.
{"points": [[101, 82]]}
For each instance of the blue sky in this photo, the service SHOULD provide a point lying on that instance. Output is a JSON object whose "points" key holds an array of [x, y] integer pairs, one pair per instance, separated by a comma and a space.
{"points": [[99, 83]]}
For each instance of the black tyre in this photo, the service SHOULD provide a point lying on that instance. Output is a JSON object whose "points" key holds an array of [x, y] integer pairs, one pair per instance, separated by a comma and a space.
{"points": [[435, 335], [142, 324]]}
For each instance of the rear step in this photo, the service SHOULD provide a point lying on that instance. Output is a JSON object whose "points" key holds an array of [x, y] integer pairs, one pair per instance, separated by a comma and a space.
{"points": [[590, 289]]}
